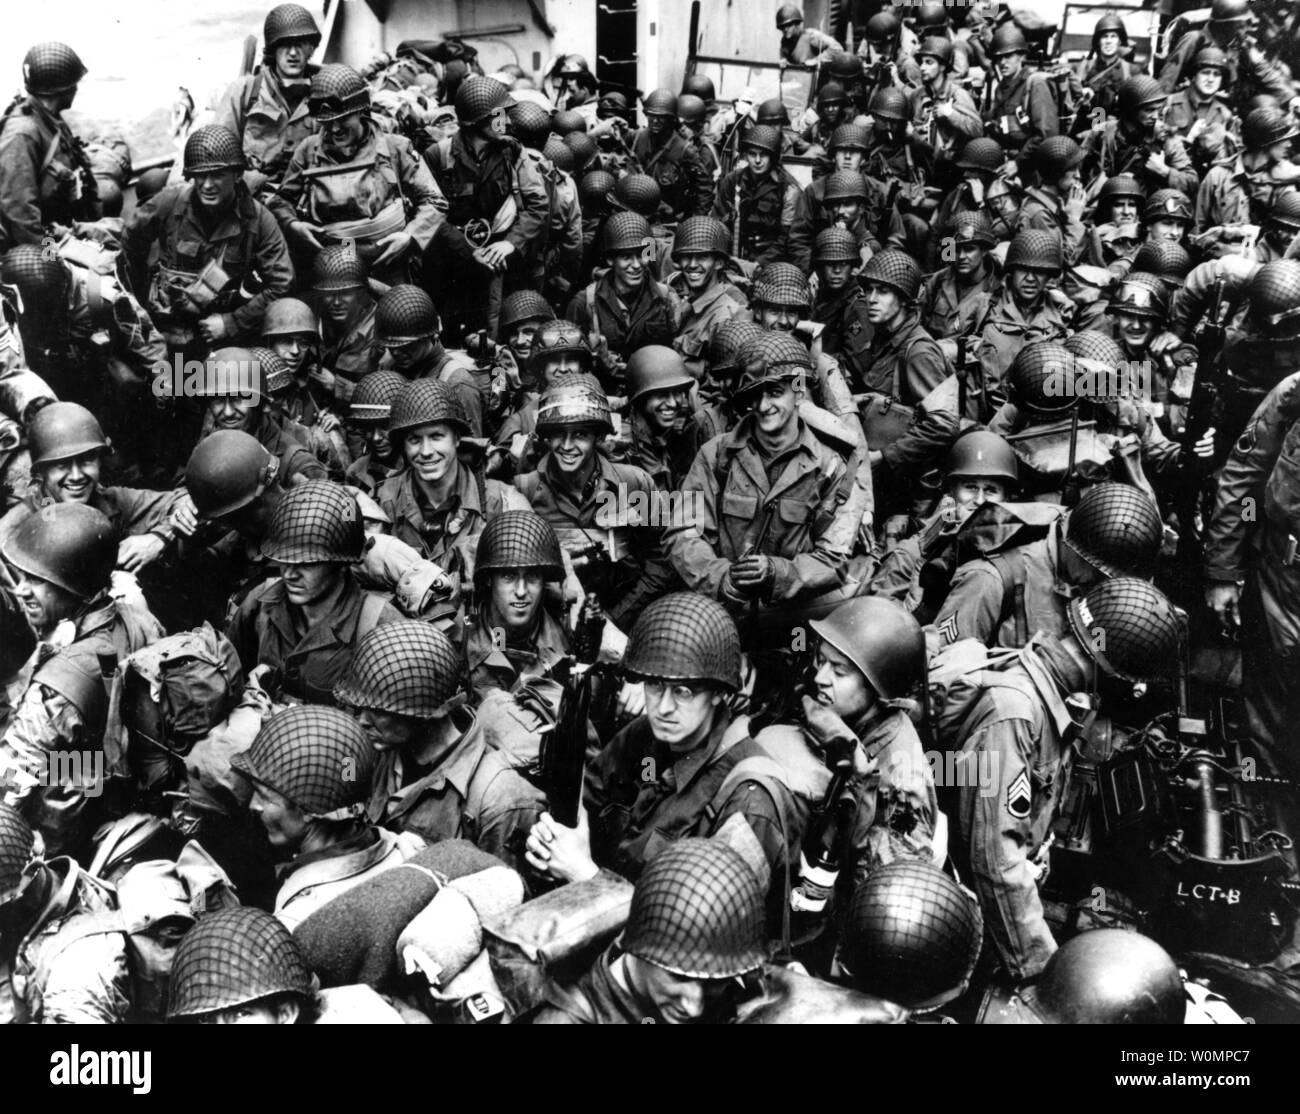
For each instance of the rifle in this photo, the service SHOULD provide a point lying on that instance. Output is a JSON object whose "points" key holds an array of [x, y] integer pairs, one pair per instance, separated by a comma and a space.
{"points": [[563, 756], [1200, 415]]}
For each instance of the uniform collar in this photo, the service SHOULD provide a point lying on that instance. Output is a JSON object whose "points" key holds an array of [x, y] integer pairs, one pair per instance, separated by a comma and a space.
{"points": [[458, 766]]}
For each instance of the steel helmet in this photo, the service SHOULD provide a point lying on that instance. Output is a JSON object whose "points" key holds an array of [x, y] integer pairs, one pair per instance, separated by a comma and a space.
{"points": [[63, 430], [1057, 155], [338, 267], [691, 109], [530, 124], [627, 232], [1263, 127], [234, 957], [1167, 260], [559, 338], [17, 849], [697, 911], [889, 103], [1128, 627], [912, 935], [1008, 39], [1109, 976], [404, 315], [290, 317], [574, 400], [227, 470], [845, 185], [51, 68], [232, 373], [372, 401], [1211, 58], [40, 275], [595, 188], [895, 269], [1096, 348], [520, 307], [931, 15], [761, 137], [478, 97], [519, 540], [700, 86], [1168, 204], [1109, 22], [1141, 295], [211, 148], [70, 545], [701, 236], [684, 637], [850, 137], [727, 341], [788, 13], [782, 285], [1285, 209], [1041, 377], [567, 121], [315, 522], [980, 454], [654, 367], [1137, 92], [845, 67], [882, 27], [1120, 185], [638, 193], [981, 153], [1274, 295], [315, 756], [882, 639], [973, 227], [772, 113], [835, 245], [1230, 11], [938, 47], [289, 21], [660, 102], [1117, 530], [770, 357], [1036, 249], [559, 154], [337, 91], [405, 667], [427, 402], [832, 92]]}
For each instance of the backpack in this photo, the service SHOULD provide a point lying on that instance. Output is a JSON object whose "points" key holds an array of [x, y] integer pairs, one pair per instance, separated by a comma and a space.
{"points": [[959, 673]]}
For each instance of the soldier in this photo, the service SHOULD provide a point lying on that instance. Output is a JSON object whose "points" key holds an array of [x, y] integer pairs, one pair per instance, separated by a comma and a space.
{"points": [[1019, 111], [241, 966], [438, 504], [761, 203], [1123, 630], [800, 45], [943, 113], [556, 257], [665, 437], [680, 769], [292, 337], [390, 209], [498, 207], [515, 632], [1249, 71], [692, 111], [841, 303], [896, 155], [268, 109], [702, 253], [45, 176], [1140, 307], [522, 315], [1137, 141], [1115, 531], [640, 194], [310, 770], [845, 199], [625, 308], [212, 236], [68, 449], [305, 623], [776, 535], [1112, 241], [1106, 68], [348, 346], [368, 415], [63, 560], [1239, 192], [436, 776], [821, 124], [1201, 103], [886, 62], [1057, 202], [662, 152], [979, 162], [694, 929], [882, 225], [1026, 309], [1251, 570], [713, 415], [953, 300]]}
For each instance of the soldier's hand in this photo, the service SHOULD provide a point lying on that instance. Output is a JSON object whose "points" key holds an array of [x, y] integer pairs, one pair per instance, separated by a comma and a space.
{"points": [[395, 245], [134, 553], [306, 232], [563, 853], [184, 518], [1156, 165], [494, 256], [1164, 342], [1224, 600], [213, 328], [329, 421], [631, 701], [753, 574], [1204, 448]]}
